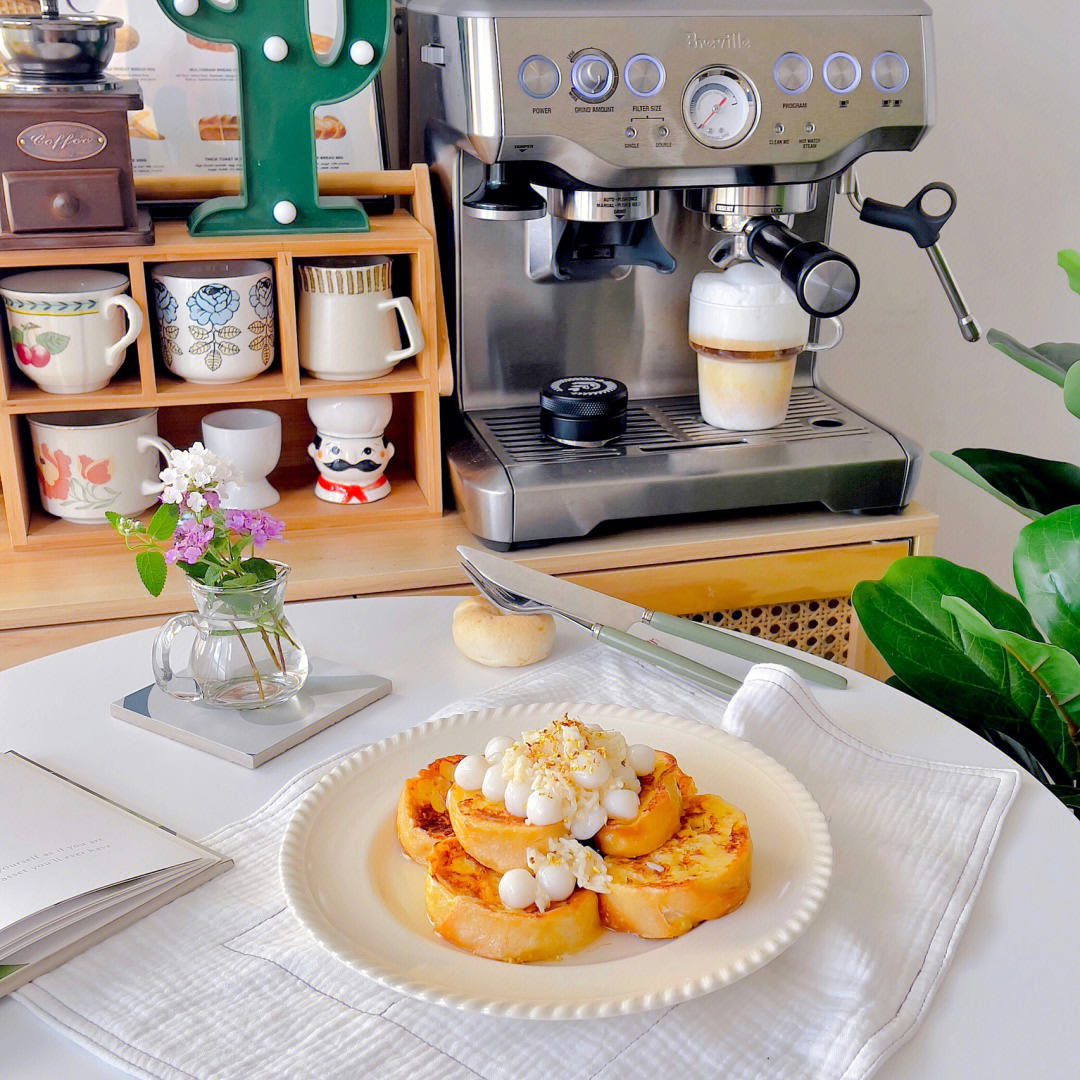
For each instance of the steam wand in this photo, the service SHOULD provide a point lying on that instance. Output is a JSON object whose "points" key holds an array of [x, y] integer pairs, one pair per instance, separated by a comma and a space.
{"points": [[924, 228]]}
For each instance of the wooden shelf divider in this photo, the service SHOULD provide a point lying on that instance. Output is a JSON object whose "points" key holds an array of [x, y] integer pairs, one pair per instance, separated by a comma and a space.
{"points": [[416, 472]]}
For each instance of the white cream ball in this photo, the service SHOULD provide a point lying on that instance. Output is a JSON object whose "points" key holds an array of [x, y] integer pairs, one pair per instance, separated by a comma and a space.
{"points": [[621, 804], [593, 775], [586, 825], [516, 796], [494, 785], [517, 888], [642, 759], [470, 772], [627, 777], [497, 747], [557, 881], [541, 809]]}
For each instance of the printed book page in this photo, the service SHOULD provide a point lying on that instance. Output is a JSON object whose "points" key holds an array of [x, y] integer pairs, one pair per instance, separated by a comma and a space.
{"points": [[58, 842]]}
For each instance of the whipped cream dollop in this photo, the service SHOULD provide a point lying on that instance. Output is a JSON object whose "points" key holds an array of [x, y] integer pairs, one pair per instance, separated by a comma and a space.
{"points": [[568, 771]]}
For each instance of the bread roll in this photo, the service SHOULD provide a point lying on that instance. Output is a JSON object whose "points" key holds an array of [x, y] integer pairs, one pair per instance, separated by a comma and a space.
{"points": [[486, 635]]}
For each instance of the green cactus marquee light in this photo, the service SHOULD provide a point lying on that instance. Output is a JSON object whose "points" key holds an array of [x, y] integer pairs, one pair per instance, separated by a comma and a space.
{"points": [[281, 83]]}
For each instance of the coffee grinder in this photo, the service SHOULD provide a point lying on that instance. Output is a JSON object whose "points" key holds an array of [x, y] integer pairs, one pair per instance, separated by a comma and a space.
{"points": [[588, 159], [65, 152]]}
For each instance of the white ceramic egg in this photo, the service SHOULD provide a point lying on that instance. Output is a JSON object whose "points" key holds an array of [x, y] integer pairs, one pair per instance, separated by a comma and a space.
{"points": [[494, 785], [557, 881], [541, 809], [516, 796], [587, 825], [594, 776], [470, 772], [496, 748], [621, 804], [642, 759], [517, 888]]}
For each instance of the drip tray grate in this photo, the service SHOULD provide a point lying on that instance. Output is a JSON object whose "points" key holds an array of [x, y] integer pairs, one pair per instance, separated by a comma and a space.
{"points": [[663, 425]]}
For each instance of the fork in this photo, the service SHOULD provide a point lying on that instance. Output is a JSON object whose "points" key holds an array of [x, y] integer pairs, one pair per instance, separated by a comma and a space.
{"points": [[674, 662]]}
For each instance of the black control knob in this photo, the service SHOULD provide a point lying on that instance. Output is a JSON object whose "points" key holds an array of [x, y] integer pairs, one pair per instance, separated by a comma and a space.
{"points": [[583, 410], [824, 282]]}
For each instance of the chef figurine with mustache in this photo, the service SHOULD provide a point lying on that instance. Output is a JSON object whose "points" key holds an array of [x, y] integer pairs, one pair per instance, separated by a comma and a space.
{"points": [[350, 450]]}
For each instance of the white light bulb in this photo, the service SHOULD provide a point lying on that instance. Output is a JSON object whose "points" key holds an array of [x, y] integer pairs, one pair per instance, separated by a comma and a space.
{"points": [[186, 8], [285, 212], [275, 48], [362, 52]]}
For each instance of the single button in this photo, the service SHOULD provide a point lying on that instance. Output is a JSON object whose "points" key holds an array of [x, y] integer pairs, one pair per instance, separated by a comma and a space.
{"points": [[841, 72], [809, 127], [539, 77], [662, 132], [592, 76], [631, 132], [778, 129], [889, 72], [645, 75], [793, 73]]}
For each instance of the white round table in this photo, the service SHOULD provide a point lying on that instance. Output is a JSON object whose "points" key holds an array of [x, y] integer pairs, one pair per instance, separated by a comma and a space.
{"points": [[1006, 1007]]}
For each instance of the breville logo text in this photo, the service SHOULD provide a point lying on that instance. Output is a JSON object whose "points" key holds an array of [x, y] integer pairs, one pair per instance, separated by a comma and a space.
{"points": [[727, 42]]}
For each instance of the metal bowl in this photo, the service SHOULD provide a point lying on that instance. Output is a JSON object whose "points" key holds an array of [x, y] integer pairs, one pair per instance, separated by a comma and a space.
{"points": [[68, 48]]}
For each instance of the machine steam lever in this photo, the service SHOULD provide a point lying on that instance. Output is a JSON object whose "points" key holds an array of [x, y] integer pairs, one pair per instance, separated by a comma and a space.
{"points": [[924, 228]]}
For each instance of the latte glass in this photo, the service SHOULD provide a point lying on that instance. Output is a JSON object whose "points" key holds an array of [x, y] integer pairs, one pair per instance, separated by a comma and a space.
{"points": [[748, 329]]}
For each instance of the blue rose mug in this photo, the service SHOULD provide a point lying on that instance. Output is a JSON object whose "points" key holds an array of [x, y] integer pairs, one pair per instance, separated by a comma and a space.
{"points": [[215, 320]]}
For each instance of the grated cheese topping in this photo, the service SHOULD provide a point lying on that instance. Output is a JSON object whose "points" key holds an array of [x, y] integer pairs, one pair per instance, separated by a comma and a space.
{"points": [[554, 760], [583, 862]]}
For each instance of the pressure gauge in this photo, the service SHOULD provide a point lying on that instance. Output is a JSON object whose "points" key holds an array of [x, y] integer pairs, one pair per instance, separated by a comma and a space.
{"points": [[720, 106]]}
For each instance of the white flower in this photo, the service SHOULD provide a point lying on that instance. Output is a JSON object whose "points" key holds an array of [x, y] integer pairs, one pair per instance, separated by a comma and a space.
{"points": [[191, 472]]}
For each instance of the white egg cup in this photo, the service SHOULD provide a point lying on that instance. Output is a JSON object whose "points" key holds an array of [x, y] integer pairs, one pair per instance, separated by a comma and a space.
{"points": [[250, 439]]}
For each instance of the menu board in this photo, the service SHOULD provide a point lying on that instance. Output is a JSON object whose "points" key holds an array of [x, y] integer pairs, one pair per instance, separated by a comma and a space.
{"points": [[188, 127]]}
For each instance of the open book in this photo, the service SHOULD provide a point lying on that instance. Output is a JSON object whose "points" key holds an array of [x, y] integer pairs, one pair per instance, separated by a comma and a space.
{"points": [[75, 868]]}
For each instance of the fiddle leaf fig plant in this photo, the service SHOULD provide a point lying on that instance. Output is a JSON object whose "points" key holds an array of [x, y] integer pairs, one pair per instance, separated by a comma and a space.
{"points": [[1008, 667]]}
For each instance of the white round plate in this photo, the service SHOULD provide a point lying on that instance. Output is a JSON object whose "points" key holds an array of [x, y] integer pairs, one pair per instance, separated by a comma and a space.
{"points": [[349, 883]]}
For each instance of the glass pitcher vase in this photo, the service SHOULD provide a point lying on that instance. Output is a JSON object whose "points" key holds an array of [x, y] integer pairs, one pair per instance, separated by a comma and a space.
{"points": [[245, 654]]}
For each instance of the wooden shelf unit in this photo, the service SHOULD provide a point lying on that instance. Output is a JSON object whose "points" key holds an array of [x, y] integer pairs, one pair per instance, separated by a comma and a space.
{"points": [[143, 382]]}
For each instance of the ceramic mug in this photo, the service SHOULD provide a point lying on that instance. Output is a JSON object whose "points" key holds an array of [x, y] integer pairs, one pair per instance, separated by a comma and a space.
{"points": [[215, 319], [347, 319], [67, 326], [90, 462], [251, 440]]}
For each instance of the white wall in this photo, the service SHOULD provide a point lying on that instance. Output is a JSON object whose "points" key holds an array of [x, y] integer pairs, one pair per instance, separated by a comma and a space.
{"points": [[1008, 140]]}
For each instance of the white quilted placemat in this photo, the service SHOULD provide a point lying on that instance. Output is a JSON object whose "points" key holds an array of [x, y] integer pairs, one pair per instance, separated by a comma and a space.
{"points": [[224, 984]]}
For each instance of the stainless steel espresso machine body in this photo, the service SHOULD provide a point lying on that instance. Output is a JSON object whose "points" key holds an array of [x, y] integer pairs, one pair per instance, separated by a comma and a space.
{"points": [[589, 156]]}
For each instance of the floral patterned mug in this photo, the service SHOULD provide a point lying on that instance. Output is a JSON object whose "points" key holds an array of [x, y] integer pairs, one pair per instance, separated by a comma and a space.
{"points": [[215, 319], [91, 462]]}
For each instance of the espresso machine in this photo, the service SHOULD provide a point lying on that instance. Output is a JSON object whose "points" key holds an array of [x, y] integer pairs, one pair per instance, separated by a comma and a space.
{"points": [[589, 158]]}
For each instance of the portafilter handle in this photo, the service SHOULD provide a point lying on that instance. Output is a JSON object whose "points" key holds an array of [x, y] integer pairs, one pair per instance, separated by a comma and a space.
{"points": [[924, 228], [824, 282]]}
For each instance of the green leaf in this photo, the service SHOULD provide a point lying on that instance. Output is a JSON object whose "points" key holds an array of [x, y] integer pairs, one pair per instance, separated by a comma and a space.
{"points": [[1046, 565], [971, 679], [1068, 794], [1033, 486], [1069, 261], [152, 569], [1049, 360], [1057, 672], [163, 523], [261, 568], [55, 343], [241, 581], [17, 335]]}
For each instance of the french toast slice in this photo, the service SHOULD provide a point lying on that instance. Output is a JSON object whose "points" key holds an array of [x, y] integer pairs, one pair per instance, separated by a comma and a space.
{"points": [[422, 819], [462, 898], [492, 835], [658, 816], [702, 872]]}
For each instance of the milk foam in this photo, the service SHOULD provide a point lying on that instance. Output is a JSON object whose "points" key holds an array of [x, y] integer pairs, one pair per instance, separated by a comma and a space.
{"points": [[746, 308]]}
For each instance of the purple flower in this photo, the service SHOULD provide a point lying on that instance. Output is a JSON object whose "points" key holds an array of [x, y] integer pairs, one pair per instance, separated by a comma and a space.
{"points": [[213, 499], [257, 524], [190, 541]]}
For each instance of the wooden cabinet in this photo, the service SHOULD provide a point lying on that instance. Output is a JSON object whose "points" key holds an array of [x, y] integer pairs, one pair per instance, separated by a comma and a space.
{"points": [[785, 577]]}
